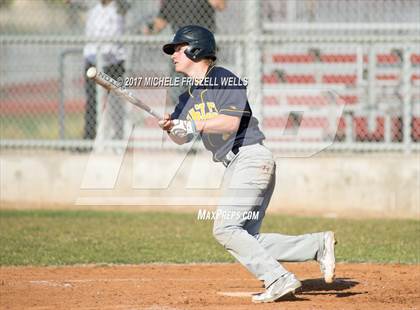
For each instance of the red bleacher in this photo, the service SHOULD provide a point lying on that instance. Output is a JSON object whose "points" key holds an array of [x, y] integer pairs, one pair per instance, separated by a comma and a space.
{"points": [[350, 99], [348, 79], [285, 121], [388, 70], [270, 100], [271, 78], [415, 134], [307, 100], [387, 77], [382, 59], [299, 79], [363, 133], [415, 59], [360, 125], [338, 58], [387, 59], [415, 77], [292, 58]]}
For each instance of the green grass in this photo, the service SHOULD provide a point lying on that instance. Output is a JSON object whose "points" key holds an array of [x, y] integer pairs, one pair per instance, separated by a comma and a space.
{"points": [[71, 237], [42, 126]]}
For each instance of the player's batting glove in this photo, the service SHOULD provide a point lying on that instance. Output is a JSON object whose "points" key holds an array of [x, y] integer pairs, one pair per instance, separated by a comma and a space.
{"points": [[184, 129]]}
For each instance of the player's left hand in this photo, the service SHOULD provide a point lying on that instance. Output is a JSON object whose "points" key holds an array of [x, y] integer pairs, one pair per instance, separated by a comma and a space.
{"points": [[166, 123], [184, 129]]}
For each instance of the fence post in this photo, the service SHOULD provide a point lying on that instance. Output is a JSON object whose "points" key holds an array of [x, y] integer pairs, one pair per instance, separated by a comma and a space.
{"points": [[387, 127], [348, 116], [61, 108], [61, 103], [406, 92], [371, 88], [101, 101], [253, 56]]}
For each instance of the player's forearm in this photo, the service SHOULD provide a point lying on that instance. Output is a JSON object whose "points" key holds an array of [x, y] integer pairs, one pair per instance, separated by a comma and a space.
{"points": [[220, 124]]}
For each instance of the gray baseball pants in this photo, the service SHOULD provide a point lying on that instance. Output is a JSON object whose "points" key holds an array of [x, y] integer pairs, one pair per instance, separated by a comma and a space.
{"points": [[248, 185]]}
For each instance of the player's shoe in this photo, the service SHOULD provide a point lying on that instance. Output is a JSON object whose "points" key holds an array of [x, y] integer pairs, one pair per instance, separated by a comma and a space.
{"points": [[327, 260], [284, 285]]}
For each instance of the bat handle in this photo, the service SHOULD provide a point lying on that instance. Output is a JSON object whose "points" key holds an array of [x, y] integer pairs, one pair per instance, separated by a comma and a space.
{"points": [[158, 117]]}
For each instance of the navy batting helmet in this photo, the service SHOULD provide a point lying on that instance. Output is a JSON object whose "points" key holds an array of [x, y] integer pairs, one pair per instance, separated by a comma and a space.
{"points": [[201, 43]]}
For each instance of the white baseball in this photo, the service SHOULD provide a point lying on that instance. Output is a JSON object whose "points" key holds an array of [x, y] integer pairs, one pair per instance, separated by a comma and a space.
{"points": [[91, 73]]}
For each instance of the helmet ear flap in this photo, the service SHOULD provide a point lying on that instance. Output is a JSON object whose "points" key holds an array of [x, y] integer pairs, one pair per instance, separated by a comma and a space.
{"points": [[192, 52]]}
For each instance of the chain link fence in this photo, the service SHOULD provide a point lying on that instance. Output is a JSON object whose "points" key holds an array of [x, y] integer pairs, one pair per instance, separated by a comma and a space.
{"points": [[342, 74]]}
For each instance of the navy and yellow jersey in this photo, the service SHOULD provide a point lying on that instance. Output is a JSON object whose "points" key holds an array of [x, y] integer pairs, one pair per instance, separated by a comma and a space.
{"points": [[221, 92]]}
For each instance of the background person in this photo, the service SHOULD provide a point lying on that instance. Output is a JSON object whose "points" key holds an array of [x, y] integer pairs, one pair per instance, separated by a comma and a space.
{"points": [[104, 20], [179, 13]]}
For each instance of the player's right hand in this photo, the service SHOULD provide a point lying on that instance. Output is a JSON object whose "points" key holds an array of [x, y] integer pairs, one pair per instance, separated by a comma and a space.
{"points": [[166, 123]]}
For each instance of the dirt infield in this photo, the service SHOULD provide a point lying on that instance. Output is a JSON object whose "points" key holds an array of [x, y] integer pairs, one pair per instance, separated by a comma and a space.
{"points": [[204, 286]]}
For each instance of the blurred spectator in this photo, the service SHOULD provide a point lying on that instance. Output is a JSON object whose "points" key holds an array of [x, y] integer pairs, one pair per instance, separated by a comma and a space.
{"points": [[106, 19], [179, 13], [74, 8]]}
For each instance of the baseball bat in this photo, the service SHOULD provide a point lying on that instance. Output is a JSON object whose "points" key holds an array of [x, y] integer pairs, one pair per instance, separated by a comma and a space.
{"points": [[111, 85]]}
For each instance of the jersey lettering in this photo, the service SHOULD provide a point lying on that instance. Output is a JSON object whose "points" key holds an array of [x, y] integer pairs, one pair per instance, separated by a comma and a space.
{"points": [[203, 111]]}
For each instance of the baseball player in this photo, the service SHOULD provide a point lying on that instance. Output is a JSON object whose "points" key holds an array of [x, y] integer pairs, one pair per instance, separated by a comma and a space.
{"points": [[219, 112]]}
